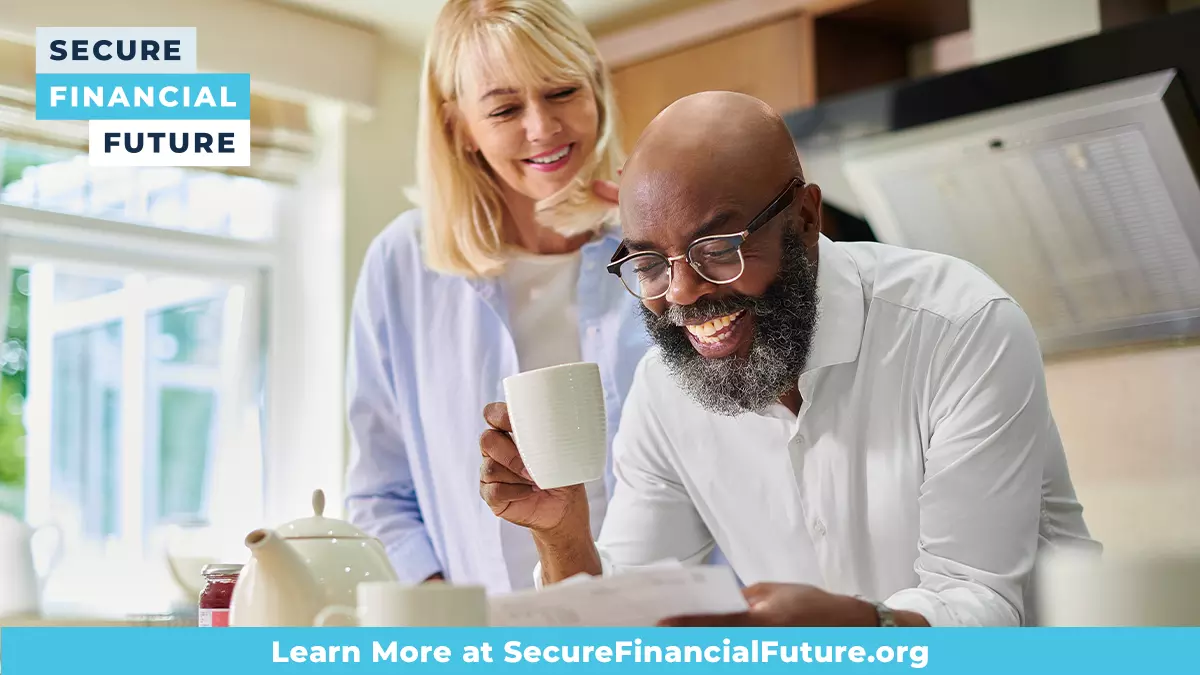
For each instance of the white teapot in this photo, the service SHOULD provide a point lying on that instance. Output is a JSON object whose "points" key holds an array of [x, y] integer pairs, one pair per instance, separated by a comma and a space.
{"points": [[314, 555]]}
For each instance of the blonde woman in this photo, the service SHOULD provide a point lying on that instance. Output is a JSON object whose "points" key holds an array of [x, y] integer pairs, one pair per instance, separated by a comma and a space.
{"points": [[516, 107]]}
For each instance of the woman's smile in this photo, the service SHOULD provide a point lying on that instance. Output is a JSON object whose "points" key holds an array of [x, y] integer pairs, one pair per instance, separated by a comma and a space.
{"points": [[551, 160]]}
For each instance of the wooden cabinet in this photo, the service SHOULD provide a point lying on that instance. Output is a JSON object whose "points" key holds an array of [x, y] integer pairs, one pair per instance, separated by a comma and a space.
{"points": [[772, 62], [788, 53]]}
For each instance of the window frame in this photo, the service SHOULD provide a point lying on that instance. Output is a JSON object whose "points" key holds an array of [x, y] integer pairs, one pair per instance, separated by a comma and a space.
{"points": [[29, 236]]}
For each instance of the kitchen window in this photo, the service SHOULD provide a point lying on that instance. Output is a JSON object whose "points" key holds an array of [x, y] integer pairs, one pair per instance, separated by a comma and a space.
{"points": [[133, 372]]}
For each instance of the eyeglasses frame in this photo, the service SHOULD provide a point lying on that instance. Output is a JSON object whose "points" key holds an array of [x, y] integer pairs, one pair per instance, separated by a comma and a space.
{"points": [[783, 200]]}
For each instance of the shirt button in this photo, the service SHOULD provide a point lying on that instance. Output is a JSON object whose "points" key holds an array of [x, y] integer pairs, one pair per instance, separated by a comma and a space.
{"points": [[819, 527], [593, 330]]}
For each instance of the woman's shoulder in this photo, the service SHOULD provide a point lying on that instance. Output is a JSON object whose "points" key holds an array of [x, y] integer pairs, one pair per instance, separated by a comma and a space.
{"points": [[396, 258], [401, 238]]}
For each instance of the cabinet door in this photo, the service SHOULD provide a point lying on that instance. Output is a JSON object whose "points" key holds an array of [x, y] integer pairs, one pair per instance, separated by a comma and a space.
{"points": [[772, 62]]}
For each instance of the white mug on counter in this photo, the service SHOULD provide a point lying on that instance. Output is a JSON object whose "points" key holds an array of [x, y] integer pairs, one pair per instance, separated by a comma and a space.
{"points": [[21, 582], [559, 423], [433, 604]]}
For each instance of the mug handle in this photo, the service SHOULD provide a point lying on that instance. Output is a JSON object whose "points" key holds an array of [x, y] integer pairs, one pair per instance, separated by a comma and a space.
{"points": [[348, 616]]}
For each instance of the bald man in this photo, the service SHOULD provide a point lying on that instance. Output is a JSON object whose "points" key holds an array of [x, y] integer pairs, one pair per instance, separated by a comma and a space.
{"points": [[862, 429]]}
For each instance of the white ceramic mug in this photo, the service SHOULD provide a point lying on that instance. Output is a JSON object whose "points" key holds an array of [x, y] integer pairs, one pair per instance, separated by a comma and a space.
{"points": [[392, 603], [21, 580], [1144, 589], [559, 423]]}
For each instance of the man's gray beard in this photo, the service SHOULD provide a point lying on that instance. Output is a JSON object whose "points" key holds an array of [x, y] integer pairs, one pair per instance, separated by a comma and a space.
{"points": [[785, 319]]}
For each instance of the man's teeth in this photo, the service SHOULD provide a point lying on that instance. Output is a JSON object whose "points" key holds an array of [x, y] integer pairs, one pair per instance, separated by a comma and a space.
{"points": [[705, 332], [550, 159]]}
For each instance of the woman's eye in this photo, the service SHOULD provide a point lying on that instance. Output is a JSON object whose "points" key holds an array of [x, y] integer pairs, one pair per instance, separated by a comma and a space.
{"points": [[504, 112], [564, 93]]}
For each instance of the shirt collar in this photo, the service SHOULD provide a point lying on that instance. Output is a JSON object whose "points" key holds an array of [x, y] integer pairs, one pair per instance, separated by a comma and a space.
{"points": [[840, 302]]}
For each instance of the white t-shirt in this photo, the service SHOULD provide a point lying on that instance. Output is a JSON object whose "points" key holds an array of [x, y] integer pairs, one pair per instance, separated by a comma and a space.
{"points": [[542, 307], [544, 320]]}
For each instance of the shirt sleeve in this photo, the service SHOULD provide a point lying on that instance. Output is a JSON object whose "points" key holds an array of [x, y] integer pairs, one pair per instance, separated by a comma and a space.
{"points": [[980, 502], [381, 497], [651, 519]]}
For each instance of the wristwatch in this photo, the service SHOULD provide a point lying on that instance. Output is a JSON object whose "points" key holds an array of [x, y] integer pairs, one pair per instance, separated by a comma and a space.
{"points": [[884, 616]]}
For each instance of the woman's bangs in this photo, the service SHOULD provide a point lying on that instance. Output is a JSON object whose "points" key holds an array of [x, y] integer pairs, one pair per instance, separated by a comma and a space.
{"points": [[504, 55]]}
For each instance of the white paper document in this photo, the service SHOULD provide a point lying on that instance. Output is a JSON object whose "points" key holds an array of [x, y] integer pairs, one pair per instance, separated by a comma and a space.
{"points": [[632, 598]]}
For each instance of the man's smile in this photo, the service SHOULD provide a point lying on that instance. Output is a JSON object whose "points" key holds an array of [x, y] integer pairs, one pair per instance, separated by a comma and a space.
{"points": [[739, 352], [722, 335]]}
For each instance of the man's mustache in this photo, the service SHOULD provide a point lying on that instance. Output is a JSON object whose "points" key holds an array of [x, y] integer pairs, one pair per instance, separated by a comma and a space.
{"points": [[708, 309]]}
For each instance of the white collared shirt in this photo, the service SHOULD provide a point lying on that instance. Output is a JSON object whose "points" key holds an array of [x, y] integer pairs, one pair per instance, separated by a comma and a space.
{"points": [[924, 469]]}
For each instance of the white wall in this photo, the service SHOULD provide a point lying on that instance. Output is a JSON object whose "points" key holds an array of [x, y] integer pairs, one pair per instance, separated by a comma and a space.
{"points": [[1002, 28], [306, 424], [1130, 420], [379, 161], [380, 155]]}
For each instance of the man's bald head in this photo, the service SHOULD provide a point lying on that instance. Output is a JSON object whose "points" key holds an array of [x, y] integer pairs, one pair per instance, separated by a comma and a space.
{"points": [[735, 325], [722, 144]]}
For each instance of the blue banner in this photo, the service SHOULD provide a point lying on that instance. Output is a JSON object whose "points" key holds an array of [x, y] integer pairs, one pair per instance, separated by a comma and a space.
{"points": [[176, 96], [259, 651]]}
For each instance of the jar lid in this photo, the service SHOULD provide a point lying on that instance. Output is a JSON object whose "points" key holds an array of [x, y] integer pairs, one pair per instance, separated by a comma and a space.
{"points": [[221, 570], [317, 526]]}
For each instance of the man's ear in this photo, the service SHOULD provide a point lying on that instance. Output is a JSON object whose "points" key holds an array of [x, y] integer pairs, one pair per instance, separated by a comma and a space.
{"points": [[810, 215]]}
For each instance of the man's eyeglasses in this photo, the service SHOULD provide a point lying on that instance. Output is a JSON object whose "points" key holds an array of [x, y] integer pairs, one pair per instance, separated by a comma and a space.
{"points": [[717, 258]]}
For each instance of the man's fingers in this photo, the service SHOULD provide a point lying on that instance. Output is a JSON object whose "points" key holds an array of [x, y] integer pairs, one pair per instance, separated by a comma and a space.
{"points": [[492, 471], [496, 415], [708, 620], [500, 494], [498, 446], [758, 593]]}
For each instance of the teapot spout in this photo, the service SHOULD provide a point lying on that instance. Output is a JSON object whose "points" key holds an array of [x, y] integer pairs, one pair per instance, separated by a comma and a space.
{"points": [[276, 587], [265, 541]]}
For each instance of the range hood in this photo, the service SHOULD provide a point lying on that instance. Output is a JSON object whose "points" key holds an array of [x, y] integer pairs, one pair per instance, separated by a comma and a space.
{"points": [[1083, 204]]}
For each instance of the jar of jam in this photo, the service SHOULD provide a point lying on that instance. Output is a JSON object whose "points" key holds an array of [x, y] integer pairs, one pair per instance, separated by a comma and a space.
{"points": [[217, 595]]}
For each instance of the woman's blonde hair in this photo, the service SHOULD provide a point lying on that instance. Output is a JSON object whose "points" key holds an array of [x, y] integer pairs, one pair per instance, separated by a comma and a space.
{"points": [[532, 41]]}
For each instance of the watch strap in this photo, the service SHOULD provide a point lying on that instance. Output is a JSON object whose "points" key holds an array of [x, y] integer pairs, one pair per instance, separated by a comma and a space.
{"points": [[885, 616]]}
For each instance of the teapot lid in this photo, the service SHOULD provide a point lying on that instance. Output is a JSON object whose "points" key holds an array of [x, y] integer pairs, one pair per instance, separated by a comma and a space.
{"points": [[317, 526]]}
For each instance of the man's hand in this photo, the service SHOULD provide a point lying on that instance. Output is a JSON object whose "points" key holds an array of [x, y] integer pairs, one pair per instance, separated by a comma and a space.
{"points": [[790, 605], [507, 487], [558, 518]]}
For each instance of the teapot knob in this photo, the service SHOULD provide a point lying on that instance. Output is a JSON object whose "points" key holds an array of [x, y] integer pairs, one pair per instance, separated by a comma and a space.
{"points": [[318, 502]]}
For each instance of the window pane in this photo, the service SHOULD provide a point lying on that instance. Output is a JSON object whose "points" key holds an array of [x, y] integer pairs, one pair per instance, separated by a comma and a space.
{"points": [[85, 435], [71, 287], [189, 334], [142, 395], [183, 372], [166, 197], [183, 452]]}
